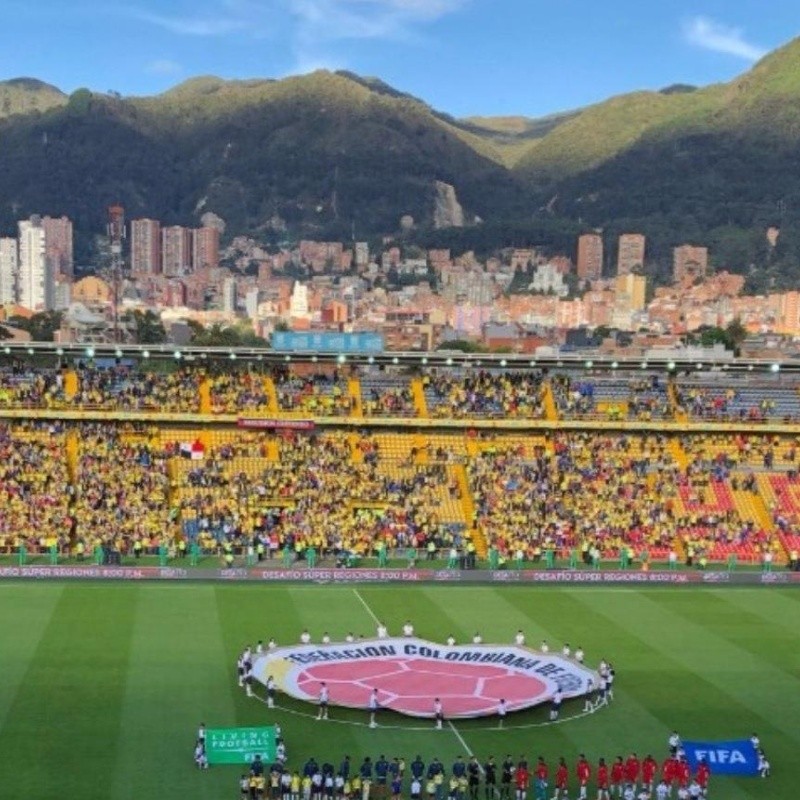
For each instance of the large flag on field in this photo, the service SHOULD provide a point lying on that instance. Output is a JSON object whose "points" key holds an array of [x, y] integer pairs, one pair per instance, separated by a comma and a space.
{"points": [[734, 757]]}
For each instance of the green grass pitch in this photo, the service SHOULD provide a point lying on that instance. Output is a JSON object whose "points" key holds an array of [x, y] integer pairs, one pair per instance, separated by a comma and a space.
{"points": [[102, 686]]}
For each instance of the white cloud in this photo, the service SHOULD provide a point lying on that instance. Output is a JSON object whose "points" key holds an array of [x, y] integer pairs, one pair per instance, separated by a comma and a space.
{"points": [[711, 35], [314, 30], [210, 25], [164, 66], [322, 23]]}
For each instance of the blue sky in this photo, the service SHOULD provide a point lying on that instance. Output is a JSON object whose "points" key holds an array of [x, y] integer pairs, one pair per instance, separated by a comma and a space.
{"points": [[530, 57]]}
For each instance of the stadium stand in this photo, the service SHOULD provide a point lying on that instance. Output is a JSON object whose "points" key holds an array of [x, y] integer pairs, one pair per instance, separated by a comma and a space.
{"points": [[484, 393], [314, 395], [613, 397], [421, 459], [754, 401]]}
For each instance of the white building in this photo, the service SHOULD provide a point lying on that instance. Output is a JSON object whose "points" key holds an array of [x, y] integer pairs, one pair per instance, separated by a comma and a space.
{"points": [[298, 303], [36, 278], [9, 270], [229, 295], [251, 303], [548, 280]]}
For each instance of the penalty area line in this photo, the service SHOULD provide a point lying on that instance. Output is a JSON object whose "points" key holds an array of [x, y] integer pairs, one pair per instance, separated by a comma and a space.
{"points": [[366, 606], [461, 739]]}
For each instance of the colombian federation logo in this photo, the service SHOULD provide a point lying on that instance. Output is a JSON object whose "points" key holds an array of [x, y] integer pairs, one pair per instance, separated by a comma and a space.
{"points": [[409, 673]]}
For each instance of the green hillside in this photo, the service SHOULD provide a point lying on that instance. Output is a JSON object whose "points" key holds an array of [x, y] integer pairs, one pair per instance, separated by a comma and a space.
{"points": [[324, 153], [27, 95], [329, 154]]}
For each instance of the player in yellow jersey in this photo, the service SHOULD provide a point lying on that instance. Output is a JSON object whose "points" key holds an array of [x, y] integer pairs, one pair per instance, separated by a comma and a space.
{"points": [[295, 786]]}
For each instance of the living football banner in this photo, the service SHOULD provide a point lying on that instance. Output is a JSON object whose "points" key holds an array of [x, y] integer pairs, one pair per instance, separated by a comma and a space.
{"points": [[240, 745], [409, 674], [733, 757]]}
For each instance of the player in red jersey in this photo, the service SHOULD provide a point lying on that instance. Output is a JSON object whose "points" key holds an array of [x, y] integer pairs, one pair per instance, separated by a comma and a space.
{"points": [[702, 775], [562, 779], [522, 779], [583, 772], [649, 769], [684, 773], [617, 776], [668, 772], [542, 773], [632, 770], [602, 781]]}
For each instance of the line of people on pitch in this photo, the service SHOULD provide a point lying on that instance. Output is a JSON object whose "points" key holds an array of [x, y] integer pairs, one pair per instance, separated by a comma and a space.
{"points": [[627, 779]]}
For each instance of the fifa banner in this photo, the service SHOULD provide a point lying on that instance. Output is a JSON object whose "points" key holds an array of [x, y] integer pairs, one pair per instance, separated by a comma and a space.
{"points": [[240, 745], [736, 757], [409, 674]]}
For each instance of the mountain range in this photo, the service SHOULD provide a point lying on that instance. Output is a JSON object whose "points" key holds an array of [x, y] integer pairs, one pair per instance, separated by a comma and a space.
{"points": [[334, 153]]}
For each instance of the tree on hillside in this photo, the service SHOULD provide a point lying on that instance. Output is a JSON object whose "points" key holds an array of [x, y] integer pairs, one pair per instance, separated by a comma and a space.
{"points": [[148, 328], [464, 345], [220, 336], [42, 326]]}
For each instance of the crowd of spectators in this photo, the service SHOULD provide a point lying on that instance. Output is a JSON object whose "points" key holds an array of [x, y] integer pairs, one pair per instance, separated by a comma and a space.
{"points": [[307, 499], [321, 395], [342, 494], [393, 400], [126, 389], [34, 488], [232, 392], [641, 398], [485, 394], [603, 491], [121, 498], [739, 451], [21, 387], [747, 403]]}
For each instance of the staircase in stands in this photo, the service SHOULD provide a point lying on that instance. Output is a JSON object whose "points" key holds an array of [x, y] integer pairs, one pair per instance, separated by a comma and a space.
{"points": [[420, 401], [678, 414], [354, 390], [272, 394], [205, 395], [459, 472], [71, 384], [550, 408]]}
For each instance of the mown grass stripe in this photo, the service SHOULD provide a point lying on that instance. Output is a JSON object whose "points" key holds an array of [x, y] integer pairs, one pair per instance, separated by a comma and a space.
{"points": [[62, 731], [25, 612], [178, 676]]}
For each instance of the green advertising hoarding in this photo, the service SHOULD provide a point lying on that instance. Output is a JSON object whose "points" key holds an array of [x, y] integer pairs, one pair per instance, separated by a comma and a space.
{"points": [[240, 745]]}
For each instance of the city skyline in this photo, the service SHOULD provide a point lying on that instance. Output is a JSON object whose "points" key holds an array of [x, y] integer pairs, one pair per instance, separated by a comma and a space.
{"points": [[527, 58]]}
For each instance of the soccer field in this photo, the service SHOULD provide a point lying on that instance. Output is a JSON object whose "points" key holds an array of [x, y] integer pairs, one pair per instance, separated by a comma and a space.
{"points": [[102, 686]]}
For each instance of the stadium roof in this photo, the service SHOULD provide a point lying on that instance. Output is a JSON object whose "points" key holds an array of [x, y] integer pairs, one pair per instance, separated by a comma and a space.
{"points": [[438, 358]]}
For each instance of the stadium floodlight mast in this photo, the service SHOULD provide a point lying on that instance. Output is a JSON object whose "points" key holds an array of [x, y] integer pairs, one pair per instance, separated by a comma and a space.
{"points": [[775, 368]]}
